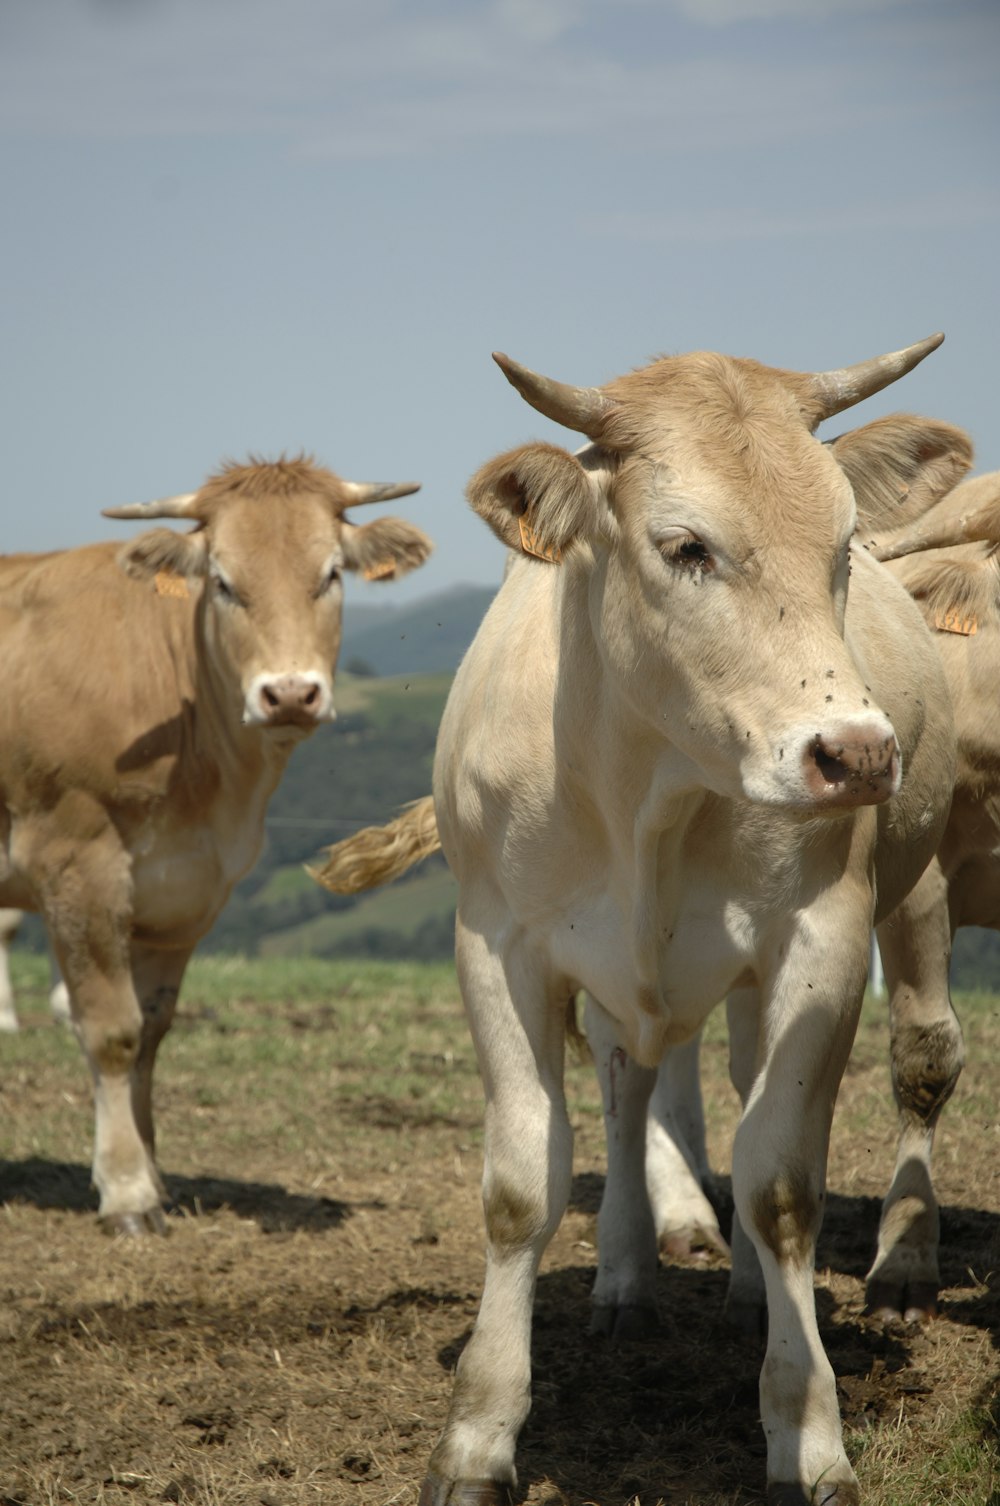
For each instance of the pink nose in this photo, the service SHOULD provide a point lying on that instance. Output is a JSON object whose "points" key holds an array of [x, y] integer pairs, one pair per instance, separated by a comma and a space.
{"points": [[851, 765], [290, 698]]}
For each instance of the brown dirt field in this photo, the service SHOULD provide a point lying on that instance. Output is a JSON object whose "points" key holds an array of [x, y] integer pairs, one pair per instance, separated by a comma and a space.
{"points": [[292, 1341]]}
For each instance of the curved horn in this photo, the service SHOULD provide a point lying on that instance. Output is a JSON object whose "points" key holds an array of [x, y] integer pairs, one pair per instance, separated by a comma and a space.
{"points": [[585, 409], [167, 507], [377, 491], [833, 391]]}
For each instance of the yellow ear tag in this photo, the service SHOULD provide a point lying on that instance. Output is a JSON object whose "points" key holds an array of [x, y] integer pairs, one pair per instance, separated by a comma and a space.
{"points": [[532, 544], [171, 585], [950, 622], [382, 570]]}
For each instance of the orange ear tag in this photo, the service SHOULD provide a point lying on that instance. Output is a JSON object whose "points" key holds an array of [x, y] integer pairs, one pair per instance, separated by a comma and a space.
{"points": [[171, 585], [950, 622], [532, 544], [382, 570]]}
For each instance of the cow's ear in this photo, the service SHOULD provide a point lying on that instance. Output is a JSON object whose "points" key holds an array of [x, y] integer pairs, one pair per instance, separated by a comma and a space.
{"points": [[384, 549], [900, 466], [537, 499], [162, 552]]}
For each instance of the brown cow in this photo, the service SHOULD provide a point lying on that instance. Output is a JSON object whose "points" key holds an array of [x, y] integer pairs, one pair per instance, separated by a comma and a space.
{"points": [[153, 693], [680, 759]]}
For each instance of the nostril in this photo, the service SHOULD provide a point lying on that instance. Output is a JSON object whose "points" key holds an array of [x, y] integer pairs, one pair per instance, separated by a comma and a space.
{"points": [[311, 697], [830, 764], [271, 700]]}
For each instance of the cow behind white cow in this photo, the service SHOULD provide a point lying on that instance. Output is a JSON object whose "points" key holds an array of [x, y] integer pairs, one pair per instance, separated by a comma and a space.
{"points": [[152, 695], [665, 772], [10, 921]]}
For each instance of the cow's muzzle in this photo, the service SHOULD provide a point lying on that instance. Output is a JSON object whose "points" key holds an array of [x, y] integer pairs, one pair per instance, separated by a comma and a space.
{"points": [[290, 700], [851, 765]]}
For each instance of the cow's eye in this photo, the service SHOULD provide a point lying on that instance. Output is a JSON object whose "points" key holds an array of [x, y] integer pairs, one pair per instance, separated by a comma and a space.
{"points": [[224, 589], [330, 579], [687, 553]]}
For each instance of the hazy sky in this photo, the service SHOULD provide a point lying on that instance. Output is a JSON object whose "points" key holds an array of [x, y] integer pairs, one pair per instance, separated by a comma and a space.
{"points": [[267, 225]]}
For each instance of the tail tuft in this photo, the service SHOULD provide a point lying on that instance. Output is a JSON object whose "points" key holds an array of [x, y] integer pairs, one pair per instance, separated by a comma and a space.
{"points": [[377, 854]]}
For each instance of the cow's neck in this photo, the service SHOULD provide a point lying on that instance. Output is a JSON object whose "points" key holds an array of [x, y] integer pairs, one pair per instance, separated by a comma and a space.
{"points": [[649, 790]]}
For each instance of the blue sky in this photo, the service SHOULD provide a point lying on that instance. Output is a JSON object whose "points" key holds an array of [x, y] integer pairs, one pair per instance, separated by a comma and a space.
{"points": [[274, 225]]}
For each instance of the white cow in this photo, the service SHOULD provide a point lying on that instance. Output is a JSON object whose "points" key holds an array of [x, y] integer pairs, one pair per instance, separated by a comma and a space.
{"points": [[948, 560], [678, 760]]}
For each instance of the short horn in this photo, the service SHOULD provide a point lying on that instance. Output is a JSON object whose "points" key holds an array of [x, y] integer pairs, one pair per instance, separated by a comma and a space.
{"points": [[167, 507], [359, 492], [833, 391], [585, 409], [979, 527]]}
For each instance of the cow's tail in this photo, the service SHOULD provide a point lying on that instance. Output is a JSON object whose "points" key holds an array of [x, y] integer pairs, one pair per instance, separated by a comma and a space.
{"points": [[380, 853]]}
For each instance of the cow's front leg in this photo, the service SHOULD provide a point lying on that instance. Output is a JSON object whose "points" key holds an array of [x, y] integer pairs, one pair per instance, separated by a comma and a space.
{"points": [[927, 1057], [624, 1295], [86, 887], [518, 1025], [677, 1170], [779, 1174]]}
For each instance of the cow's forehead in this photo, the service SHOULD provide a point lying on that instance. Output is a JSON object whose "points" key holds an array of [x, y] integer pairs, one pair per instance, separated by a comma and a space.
{"points": [[251, 530], [729, 433], [716, 404]]}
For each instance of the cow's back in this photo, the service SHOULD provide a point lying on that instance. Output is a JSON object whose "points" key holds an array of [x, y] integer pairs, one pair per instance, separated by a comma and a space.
{"points": [[98, 671]]}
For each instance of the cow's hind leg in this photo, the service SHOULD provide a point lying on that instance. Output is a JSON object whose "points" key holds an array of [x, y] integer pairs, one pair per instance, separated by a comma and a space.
{"points": [[518, 1026], [677, 1170], [927, 1057], [9, 921], [624, 1295], [157, 976]]}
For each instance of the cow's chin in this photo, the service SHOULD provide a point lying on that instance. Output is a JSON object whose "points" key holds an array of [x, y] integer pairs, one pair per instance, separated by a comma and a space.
{"points": [[289, 730]]}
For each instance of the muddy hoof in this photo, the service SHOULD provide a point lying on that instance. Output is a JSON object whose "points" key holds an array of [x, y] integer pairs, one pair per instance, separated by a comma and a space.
{"points": [[891, 1302], [437, 1492], [695, 1242], [132, 1225], [819, 1494], [625, 1324]]}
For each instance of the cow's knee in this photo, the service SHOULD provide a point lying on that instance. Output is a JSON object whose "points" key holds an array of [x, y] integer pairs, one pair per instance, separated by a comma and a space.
{"points": [[926, 1062]]}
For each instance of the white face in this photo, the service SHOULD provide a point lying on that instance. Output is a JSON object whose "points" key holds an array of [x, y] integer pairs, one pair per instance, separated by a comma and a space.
{"points": [[722, 619]]}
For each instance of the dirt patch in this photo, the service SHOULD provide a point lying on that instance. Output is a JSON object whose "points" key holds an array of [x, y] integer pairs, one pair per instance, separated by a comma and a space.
{"points": [[293, 1339]]}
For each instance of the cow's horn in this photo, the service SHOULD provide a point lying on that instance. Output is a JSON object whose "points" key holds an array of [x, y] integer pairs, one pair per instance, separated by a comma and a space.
{"points": [[585, 409], [167, 507], [377, 491], [833, 391]]}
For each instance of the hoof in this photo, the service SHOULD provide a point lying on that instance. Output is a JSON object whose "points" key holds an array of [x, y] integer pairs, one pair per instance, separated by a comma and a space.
{"points": [[132, 1225], [846, 1494], [437, 1492], [625, 1324], [697, 1242], [890, 1302]]}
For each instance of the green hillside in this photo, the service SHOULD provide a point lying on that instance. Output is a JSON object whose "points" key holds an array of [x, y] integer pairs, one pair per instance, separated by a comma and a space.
{"points": [[425, 638], [359, 771]]}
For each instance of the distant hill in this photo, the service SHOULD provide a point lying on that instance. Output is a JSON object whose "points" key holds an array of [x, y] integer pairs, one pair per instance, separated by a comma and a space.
{"points": [[425, 638]]}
